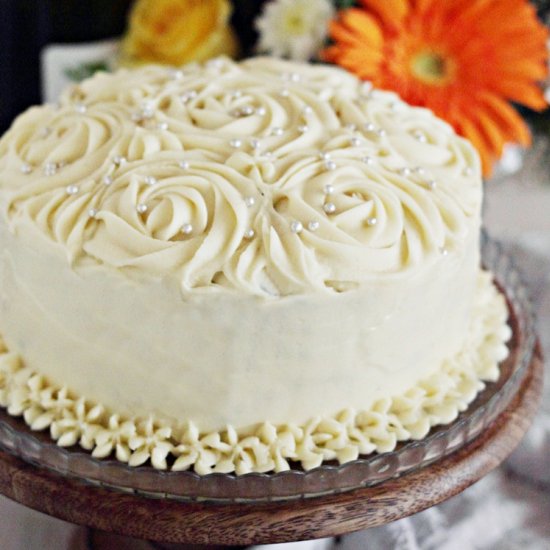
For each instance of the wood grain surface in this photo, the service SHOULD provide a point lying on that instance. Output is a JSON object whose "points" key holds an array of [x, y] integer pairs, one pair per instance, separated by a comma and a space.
{"points": [[169, 521]]}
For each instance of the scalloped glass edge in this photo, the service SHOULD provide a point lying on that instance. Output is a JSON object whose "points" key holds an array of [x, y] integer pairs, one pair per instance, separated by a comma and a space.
{"points": [[326, 479]]}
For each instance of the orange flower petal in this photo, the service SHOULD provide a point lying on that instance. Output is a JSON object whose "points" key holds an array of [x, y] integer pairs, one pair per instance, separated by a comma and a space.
{"points": [[391, 12]]}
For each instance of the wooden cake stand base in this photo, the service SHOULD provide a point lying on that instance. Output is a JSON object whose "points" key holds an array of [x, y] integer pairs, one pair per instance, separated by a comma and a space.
{"points": [[170, 522]]}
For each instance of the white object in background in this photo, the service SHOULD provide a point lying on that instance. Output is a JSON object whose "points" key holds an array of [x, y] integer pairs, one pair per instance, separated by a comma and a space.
{"points": [[62, 63]]}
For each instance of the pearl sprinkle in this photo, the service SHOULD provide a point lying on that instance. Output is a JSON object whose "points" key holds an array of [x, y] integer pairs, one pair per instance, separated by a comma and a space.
{"points": [[187, 229], [405, 172], [303, 129], [249, 234], [107, 180], [184, 165], [355, 142], [119, 160], [329, 189], [188, 96], [150, 180], [277, 131], [141, 208], [71, 189], [313, 225], [330, 165], [93, 212], [162, 126], [26, 168], [80, 108], [249, 201], [236, 143], [329, 207], [431, 185], [468, 172], [420, 136], [261, 111], [296, 227], [372, 221], [368, 161], [255, 143]]}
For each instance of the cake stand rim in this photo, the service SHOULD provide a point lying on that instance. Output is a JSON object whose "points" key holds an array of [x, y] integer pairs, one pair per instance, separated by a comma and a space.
{"points": [[172, 521]]}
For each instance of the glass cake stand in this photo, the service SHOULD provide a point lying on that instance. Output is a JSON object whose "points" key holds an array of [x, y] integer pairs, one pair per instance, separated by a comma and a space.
{"points": [[328, 479]]}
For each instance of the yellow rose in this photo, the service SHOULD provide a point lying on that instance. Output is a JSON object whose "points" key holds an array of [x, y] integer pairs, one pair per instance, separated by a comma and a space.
{"points": [[175, 32]]}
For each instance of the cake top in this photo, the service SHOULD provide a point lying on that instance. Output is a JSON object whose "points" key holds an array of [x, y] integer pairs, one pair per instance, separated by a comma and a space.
{"points": [[265, 176]]}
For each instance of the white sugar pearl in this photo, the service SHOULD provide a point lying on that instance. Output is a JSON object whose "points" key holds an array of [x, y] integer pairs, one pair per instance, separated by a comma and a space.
{"points": [[468, 172], [175, 74], [296, 227], [381, 133], [187, 229], [119, 160], [184, 165], [255, 143], [188, 96], [324, 156], [236, 143], [406, 172], [307, 110], [150, 180], [107, 180], [250, 201], [420, 137], [369, 127], [26, 168], [444, 251], [284, 92], [355, 142], [71, 189], [420, 171], [313, 225], [80, 108], [303, 129], [92, 212], [329, 207], [372, 221], [368, 160], [162, 126], [432, 185], [261, 111], [277, 131], [329, 189], [330, 165], [351, 127], [141, 208], [249, 233]]}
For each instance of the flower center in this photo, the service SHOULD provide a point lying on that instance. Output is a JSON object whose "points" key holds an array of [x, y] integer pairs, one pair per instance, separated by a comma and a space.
{"points": [[431, 67], [295, 23]]}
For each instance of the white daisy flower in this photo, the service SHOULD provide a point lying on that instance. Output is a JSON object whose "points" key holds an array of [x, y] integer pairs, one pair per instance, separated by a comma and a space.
{"points": [[294, 29]]}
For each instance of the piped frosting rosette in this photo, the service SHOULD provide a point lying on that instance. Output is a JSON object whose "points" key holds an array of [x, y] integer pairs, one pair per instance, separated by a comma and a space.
{"points": [[265, 176]]}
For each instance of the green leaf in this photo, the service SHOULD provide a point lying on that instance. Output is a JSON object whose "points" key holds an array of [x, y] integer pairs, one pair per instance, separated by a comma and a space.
{"points": [[85, 70], [344, 4]]}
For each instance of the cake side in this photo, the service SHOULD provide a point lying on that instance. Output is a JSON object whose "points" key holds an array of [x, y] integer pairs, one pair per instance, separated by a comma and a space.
{"points": [[264, 447]]}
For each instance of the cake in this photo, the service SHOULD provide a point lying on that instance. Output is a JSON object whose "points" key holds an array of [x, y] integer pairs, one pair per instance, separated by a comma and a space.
{"points": [[241, 267]]}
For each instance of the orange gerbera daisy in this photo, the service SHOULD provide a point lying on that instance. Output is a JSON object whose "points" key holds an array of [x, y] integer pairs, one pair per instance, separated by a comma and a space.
{"points": [[464, 59]]}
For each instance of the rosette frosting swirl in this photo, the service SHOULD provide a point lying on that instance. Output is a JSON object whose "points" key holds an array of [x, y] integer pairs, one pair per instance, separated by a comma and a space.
{"points": [[265, 176]]}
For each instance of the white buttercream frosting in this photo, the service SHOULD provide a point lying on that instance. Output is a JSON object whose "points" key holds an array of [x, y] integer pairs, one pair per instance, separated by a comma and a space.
{"points": [[264, 447], [265, 176]]}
